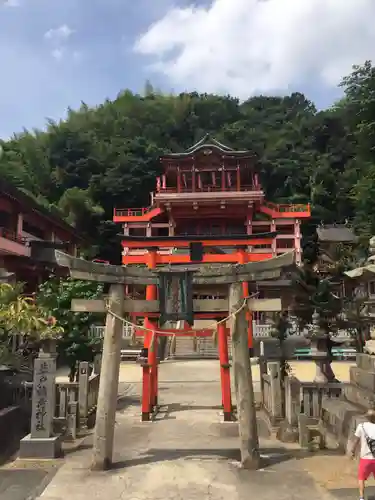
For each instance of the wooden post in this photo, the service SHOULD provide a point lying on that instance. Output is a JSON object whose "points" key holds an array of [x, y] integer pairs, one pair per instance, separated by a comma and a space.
{"points": [[108, 386], [249, 444]]}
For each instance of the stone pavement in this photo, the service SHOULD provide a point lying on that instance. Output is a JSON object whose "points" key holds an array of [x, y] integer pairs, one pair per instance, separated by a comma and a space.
{"points": [[187, 453], [24, 481]]}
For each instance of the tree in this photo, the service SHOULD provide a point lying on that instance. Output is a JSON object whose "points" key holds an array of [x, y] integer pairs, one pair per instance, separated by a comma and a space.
{"points": [[22, 316], [55, 296], [107, 156]]}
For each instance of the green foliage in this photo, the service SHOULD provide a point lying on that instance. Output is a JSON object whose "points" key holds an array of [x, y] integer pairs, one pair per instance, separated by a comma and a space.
{"points": [[55, 295], [22, 315], [314, 293], [107, 156]]}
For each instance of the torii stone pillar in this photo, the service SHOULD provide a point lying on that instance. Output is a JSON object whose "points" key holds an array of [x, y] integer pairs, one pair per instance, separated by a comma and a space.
{"points": [[246, 412], [108, 386]]}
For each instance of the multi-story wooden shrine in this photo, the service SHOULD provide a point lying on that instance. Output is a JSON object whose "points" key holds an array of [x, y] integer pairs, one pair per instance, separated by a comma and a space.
{"points": [[212, 194]]}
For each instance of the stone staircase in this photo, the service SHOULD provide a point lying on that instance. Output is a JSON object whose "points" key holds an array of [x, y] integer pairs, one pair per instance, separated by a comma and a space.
{"points": [[206, 349], [340, 417]]}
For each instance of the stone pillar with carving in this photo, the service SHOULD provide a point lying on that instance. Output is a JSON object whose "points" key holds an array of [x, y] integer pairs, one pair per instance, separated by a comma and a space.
{"points": [[41, 442]]}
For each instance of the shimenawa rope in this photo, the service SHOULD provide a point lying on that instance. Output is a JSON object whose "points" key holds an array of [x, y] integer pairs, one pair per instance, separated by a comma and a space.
{"points": [[193, 332]]}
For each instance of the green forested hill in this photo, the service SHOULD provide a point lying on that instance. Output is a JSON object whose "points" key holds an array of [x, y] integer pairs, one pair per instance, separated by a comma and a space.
{"points": [[108, 156]]}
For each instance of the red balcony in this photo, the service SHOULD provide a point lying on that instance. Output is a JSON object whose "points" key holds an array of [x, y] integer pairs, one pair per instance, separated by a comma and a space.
{"points": [[206, 189], [12, 244], [286, 211], [135, 214]]}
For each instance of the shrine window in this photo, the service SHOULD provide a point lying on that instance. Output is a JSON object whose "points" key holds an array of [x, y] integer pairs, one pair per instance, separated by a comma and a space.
{"points": [[32, 231], [137, 231], [5, 219], [231, 181], [162, 231], [235, 229], [187, 181], [371, 288]]}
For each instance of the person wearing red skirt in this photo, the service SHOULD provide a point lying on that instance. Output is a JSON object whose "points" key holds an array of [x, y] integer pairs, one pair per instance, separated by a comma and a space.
{"points": [[364, 437]]}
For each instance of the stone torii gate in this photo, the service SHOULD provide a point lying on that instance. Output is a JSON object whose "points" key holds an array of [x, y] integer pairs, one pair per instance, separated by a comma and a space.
{"points": [[218, 274]]}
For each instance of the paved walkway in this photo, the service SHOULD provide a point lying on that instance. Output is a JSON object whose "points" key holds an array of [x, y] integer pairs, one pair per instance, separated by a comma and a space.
{"points": [[187, 453]]}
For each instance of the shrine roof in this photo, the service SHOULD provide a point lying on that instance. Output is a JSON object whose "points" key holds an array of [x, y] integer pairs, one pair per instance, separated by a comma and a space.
{"points": [[335, 233], [208, 143], [28, 204]]}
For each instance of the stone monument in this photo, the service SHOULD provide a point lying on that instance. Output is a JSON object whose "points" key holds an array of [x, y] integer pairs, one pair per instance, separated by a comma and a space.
{"points": [[41, 443]]}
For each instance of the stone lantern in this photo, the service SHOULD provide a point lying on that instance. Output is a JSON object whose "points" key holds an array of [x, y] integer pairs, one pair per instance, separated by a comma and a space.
{"points": [[321, 345]]}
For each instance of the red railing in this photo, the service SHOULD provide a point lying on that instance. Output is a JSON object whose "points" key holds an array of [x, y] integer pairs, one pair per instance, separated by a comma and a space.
{"points": [[302, 207], [11, 235], [130, 212], [206, 189]]}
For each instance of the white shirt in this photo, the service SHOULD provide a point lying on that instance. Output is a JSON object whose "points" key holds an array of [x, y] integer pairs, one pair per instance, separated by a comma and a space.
{"points": [[370, 431]]}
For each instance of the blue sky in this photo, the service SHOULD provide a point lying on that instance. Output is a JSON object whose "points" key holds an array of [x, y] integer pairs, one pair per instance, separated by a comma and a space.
{"points": [[97, 59], [57, 53]]}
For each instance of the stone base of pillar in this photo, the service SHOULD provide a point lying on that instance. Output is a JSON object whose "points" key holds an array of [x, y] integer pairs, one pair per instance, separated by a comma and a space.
{"points": [[228, 416], [40, 447], [287, 433]]}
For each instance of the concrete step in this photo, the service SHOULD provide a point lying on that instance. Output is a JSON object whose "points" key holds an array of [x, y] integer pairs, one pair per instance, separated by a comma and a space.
{"points": [[366, 362], [362, 378], [363, 398], [207, 348], [184, 348], [339, 419]]}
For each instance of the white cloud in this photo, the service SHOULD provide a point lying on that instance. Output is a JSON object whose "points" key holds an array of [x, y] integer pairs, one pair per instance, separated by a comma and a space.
{"points": [[250, 46], [11, 3], [59, 34], [57, 54], [58, 38]]}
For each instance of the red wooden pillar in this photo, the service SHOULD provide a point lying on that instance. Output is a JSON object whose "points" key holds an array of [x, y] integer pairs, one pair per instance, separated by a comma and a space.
{"points": [[238, 179], [242, 258], [148, 385], [222, 335]]}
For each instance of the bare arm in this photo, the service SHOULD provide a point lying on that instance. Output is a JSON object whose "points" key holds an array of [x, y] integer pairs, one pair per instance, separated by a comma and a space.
{"points": [[353, 446]]}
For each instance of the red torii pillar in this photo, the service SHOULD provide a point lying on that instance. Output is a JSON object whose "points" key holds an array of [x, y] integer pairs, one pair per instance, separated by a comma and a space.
{"points": [[226, 395], [150, 369]]}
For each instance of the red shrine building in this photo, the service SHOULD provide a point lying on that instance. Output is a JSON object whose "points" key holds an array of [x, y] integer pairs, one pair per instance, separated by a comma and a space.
{"points": [[208, 207], [212, 194], [26, 231]]}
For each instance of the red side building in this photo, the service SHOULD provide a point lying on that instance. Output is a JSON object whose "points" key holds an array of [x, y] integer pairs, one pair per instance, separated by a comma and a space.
{"points": [[208, 207], [27, 232]]}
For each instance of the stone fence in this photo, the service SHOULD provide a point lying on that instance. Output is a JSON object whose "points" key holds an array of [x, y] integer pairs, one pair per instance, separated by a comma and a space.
{"points": [[306, 398], [297, 404], [75, 402]]}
